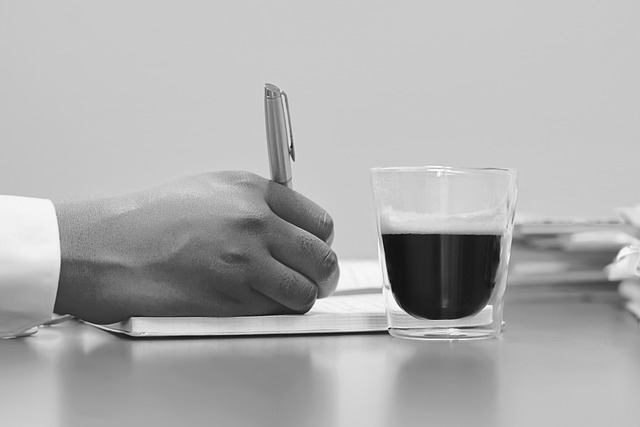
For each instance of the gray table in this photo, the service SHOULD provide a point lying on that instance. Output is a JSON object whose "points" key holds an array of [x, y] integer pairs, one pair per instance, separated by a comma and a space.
{"points": [[567, 357]]}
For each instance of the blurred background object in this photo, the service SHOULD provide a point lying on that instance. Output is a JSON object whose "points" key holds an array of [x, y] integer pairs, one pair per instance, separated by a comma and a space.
{"points": [[102, 98]]}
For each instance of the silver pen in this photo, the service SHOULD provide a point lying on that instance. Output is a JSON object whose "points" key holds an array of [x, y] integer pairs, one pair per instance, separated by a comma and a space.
{"points": [[279, 136]]}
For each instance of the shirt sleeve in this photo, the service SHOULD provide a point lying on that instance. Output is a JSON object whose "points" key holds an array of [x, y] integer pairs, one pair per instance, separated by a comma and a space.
{"points": [[29, 264]]}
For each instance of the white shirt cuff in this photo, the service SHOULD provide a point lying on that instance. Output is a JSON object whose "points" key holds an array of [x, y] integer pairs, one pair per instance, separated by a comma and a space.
{"points": [[29, 263]]}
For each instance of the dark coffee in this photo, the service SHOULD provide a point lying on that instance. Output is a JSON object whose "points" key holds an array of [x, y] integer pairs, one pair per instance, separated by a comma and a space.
{"points": [[442, 276]]}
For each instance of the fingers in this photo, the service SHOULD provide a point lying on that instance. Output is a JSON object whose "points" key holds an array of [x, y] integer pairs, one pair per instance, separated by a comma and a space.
{"points": [[307, 254], [287, 287], [296, 209]]}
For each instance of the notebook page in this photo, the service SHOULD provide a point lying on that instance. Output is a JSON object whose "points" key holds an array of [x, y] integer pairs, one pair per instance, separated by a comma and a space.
{"points": [[359, 276], [350, 304]]}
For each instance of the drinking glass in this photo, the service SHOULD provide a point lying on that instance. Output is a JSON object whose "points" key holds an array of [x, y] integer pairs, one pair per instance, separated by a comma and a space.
{"points": [[444, 240]]}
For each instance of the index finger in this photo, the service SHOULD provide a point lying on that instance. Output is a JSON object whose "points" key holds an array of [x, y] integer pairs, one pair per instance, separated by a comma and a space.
{"points": [[296, 209]]}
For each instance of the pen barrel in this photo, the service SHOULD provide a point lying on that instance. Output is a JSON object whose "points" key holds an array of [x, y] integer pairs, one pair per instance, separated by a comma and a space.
{"points": [[277, 141]]}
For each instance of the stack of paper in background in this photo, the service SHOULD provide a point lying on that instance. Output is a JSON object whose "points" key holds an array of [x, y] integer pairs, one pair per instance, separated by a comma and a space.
{"points": [[572, 251], [545, 252], [626, 266]]}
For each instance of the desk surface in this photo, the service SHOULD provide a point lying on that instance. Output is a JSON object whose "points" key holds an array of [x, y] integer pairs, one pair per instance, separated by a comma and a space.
{"points": [[565, 358]]}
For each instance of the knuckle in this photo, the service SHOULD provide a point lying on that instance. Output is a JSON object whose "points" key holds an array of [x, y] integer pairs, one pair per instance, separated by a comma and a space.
{"points": [[288, 289], [304, 243], [253, 220], [236, 268], [300, 297], [246, 179], [234, 256], [308, 298], [329, 274], [325, 225], [329, 263]]}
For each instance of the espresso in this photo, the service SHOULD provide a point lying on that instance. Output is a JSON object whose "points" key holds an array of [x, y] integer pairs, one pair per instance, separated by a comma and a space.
{"points": [[442, 276]]}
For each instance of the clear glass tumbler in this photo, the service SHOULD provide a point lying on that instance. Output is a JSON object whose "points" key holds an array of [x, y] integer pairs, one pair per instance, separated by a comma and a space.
{"points": [[444, 240]]}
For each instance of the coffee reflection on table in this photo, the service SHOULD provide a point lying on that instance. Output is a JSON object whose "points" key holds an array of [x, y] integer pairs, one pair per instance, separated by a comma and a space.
{"points": [[443, 383]]}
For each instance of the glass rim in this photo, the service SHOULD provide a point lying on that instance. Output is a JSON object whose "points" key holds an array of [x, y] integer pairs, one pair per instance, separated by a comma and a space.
{"points": [[438, 168]]}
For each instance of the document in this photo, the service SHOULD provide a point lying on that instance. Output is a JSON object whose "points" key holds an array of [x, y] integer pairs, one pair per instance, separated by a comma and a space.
{"points": [[562, 251], [626, 266]]}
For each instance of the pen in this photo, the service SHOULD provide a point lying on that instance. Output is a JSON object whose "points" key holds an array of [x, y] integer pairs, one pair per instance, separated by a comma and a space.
{"points": [[279, 136]]}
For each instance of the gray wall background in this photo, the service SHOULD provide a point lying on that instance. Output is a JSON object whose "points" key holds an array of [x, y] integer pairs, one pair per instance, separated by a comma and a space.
{"points": [[102, 98]]}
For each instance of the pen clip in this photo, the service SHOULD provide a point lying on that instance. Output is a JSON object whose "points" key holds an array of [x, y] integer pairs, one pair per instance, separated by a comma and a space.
{"points": [[287, 121]]}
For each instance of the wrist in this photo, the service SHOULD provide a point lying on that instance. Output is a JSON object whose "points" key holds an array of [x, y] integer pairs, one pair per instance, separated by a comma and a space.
{"points": [[82, 247]]}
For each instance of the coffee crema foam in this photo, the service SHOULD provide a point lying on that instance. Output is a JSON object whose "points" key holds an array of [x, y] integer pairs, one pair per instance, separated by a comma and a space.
{"points": [[475, 223]]}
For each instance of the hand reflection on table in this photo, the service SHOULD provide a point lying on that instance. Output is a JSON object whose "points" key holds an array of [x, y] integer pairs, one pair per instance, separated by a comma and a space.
{"points": [[232, 381], [443, 383]]}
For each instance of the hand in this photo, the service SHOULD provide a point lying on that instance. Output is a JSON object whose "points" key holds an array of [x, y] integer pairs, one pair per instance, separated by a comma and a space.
{"points": [[218, 244]]}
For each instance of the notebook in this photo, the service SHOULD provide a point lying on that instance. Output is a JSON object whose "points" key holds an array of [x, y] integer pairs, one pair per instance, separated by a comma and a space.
{"points": [[336, 314]]}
